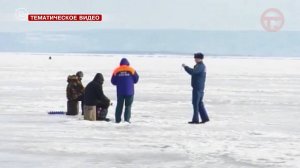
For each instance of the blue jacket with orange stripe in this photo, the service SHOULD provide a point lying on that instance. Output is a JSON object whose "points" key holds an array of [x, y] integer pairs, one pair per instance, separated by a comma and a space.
{"points": [[124, 77]]}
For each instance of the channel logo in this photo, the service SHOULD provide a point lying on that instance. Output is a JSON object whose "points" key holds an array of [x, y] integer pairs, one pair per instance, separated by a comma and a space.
{"points": [[65, 17]]}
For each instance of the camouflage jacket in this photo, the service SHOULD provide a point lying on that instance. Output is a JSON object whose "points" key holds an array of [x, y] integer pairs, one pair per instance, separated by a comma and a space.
{"points": [[74, 88]]}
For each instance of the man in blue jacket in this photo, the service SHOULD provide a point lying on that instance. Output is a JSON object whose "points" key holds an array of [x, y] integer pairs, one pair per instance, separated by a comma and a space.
{"points": [[198, 74], [124, 77]]}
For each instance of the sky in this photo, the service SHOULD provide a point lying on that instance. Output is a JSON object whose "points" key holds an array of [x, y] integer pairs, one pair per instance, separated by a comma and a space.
{"points": [[222, 15]]}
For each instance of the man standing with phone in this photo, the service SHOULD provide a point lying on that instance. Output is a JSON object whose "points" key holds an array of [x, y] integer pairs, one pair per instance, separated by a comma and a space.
{"points": [[198, 74]]}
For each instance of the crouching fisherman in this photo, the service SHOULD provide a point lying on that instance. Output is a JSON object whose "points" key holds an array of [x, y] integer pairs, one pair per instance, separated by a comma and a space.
{"points": [[95, 102]]}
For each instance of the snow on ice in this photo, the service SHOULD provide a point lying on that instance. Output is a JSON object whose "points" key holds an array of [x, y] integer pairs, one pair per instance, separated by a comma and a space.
{"points": [[253, 104]]}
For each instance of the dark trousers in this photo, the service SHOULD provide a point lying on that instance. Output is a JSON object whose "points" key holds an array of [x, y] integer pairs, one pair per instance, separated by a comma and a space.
{"points": [[101, 113], [119, 109], [104, 104], [198, 106], [102, 109]]}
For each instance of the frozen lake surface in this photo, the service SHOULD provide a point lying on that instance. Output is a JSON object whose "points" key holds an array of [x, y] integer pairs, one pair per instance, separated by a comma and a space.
{"points": [[253, 104]]}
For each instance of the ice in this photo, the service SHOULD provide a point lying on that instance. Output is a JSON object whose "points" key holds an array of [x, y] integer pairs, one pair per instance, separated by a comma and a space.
{"points": [[253, 104]]}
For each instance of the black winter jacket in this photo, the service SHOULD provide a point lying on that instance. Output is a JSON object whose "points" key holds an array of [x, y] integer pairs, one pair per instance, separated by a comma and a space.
{"points": [[93, 94]]}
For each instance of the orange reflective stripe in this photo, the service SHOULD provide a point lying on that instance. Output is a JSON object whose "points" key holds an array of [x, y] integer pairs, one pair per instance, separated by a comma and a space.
{"points": [[123, 68]]}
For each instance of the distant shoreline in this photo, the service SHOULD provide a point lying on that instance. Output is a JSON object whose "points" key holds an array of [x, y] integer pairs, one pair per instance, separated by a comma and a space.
{"points": [[153, 42], [141, 54]]}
